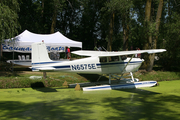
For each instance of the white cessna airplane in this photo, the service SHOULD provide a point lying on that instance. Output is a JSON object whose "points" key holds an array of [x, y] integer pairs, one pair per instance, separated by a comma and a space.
{"points": [[99, 62]]}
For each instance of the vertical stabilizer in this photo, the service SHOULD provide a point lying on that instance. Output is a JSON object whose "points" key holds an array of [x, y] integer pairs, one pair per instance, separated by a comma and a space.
{"points": [[39, 53]]}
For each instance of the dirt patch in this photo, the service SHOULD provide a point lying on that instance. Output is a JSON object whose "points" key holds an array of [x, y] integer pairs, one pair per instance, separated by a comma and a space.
{"points": [[142, 71], [153, 72]]}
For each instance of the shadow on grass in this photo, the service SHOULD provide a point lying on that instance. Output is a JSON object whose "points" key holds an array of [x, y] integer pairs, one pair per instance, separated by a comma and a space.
{"points": [[140, 105], [139, 91], [94, 77], [39, 86], [65, 109]]}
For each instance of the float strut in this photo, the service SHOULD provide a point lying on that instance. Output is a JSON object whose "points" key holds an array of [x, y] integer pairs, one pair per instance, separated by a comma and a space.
{"points": [[109, 78], [132, 76]]}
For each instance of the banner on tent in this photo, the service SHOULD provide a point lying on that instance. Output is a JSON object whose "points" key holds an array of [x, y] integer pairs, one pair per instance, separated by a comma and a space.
{"points": [[9, 48]]}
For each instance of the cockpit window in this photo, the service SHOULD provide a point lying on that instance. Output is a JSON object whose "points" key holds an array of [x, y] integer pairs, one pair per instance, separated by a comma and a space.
{"points": [[103, 59], [109, 59], [113, 58], [123, 57]]}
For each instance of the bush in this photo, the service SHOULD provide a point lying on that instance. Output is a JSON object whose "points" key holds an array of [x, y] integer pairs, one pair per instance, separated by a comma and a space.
{"points": [[26, 83]]}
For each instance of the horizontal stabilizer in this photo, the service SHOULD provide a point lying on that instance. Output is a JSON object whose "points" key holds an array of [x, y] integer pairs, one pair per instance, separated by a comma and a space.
{"points": [[43, 69], [46, 68]]}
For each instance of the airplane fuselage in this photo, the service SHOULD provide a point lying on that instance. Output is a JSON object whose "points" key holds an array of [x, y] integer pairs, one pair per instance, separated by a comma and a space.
{"points": [[92, 65]]}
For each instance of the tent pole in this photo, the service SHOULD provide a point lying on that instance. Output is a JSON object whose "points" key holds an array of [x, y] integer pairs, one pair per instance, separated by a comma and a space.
{"points": [[65, 53], [13, 58]]}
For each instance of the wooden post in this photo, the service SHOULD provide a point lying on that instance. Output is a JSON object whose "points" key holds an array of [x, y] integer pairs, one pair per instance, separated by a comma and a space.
{"points": [[44, 75]]}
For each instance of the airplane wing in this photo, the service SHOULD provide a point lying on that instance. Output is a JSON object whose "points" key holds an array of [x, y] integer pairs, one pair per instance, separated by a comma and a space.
{"points": [[88, 53], [104, 53]]}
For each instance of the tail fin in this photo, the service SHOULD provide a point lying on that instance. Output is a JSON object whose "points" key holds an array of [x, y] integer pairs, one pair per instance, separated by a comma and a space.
{"points": [[39, 53]]}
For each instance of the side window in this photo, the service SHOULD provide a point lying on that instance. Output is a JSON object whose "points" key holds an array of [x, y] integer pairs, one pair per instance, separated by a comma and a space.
{"points": [[113, 58], [103, 59], [123, 57]]}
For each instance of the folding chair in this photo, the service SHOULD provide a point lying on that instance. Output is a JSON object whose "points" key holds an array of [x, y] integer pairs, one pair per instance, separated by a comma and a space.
{"points": [[27, 57], [23, 57], [19, 57]]}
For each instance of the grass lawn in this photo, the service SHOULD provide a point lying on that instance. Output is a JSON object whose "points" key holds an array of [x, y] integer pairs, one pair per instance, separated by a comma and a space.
{"points": [[155, 103], [20, 79]]}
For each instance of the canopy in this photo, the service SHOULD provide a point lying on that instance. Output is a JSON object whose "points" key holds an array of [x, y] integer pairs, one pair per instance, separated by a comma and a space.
{"points": [[54, 42]]}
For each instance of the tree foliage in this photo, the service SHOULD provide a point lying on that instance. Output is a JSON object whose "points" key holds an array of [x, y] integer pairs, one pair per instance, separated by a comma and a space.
{"points": [[113, 24], [9, 18]]}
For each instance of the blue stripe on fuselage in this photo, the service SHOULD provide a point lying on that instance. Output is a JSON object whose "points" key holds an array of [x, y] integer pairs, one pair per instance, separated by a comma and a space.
{"points": [[46, 62], [57, 67], [68, 66], [116, 63]]}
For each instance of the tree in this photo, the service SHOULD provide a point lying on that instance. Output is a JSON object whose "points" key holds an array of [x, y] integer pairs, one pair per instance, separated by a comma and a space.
{"points": [[154, 41], [171, 36], [153, 31], [119, 8], [9, 19], [89, 25], [57, 8], [35, 16]]}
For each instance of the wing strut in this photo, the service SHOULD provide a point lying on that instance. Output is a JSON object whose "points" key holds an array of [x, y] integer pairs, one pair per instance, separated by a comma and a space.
{"points": [[123, 71], [132, 76], [109, 78], [128, 63], [126, 66]]}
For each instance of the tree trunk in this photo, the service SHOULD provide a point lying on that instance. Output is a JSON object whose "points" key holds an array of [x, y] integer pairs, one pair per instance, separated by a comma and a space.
{"points": [[54, 18], [148, 39], [147, 20], [125, 31], [42, 12], [154, 44], [0, 50], [44, 75], [109, 46], [169, 10]]}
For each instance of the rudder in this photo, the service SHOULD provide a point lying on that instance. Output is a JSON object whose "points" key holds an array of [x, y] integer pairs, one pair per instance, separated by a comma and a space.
{"points": [[39, 53]]}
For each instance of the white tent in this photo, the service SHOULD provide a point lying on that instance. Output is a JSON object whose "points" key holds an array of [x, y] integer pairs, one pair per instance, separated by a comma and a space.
{"points": [[54, 42]]}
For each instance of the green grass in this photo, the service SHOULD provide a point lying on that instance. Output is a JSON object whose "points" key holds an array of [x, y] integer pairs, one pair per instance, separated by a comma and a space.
{"points": [[157, 75], [20, 79], [155, 103]]}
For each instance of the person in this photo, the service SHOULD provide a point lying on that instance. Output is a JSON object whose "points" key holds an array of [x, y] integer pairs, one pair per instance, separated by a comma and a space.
{"points": [[58, 56], [99, 48], [131, 47], [68, 53], [139, 55]]}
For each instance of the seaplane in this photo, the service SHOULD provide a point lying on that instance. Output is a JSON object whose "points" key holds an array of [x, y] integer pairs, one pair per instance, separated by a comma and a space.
{"points": [[95, 62]]}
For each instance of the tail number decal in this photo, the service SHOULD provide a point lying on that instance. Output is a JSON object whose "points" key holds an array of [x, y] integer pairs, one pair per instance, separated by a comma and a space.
{"points": [[83, 67]]}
